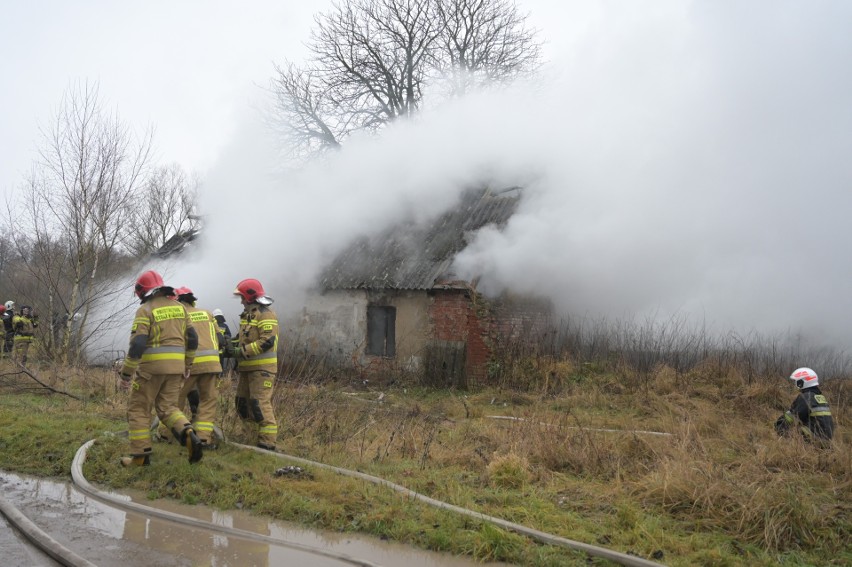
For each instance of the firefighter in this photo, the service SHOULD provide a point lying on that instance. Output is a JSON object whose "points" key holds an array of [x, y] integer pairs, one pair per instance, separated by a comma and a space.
{"points": [[24, 326], [204, 375], [810, 409], [256, 352], [162, 349], [225, 332], [8, 328]]}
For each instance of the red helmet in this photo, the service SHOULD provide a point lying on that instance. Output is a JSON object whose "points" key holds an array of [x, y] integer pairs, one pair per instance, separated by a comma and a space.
{"points": [[185, 291], [147, 283], [250, 290], [2, 309]]}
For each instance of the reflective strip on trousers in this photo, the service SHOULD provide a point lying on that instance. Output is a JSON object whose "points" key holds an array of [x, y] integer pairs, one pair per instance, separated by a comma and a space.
{"points": [[139, 434], [269, 430], [174, 418], [206, 426]]}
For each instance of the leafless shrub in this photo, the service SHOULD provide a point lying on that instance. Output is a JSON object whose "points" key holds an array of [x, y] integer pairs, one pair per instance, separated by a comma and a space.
{"points": [[636, 353]]}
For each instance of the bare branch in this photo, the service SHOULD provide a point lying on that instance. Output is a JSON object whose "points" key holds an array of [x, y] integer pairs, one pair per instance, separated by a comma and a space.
{"points": [[372, 59], [72, 216], [484, 42], [164, 207]]}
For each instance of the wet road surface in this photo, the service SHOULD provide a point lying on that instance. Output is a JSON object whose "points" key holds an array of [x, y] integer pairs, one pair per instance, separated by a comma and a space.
{"points": [[109, 536]]}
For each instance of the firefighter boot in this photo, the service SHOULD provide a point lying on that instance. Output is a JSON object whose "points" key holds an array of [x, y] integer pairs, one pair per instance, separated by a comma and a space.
{"points": [[136, 461], [193, 445]]}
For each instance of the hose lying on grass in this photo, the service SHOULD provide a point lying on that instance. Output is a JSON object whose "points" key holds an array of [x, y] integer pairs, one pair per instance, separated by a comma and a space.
{"points": [[636, 431], [543, 537]]}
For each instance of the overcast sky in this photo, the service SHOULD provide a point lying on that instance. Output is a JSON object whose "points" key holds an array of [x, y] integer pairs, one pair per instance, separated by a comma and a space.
{"points": [[679, 157]]}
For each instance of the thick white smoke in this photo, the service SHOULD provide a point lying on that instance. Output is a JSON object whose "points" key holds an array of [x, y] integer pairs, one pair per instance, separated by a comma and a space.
{"points": [[688, 160]]}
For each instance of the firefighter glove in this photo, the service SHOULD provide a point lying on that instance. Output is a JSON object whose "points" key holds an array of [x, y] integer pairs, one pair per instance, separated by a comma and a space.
{"points": [[233, 349]]}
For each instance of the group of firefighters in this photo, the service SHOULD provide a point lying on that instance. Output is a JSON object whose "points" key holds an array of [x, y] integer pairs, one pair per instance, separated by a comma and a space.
{"points": [[177, 352], [18, 331], [177, 348]]}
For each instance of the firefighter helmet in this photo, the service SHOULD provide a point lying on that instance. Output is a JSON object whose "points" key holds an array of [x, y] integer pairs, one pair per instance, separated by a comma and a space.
{"points": [[185, 294], [9, 305], [804, 378], [148, 283], [218, 313], [2, 309], [251, 291]]}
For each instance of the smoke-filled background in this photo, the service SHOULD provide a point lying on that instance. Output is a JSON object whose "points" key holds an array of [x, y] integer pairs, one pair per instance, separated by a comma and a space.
{"points": [[683, 159]]}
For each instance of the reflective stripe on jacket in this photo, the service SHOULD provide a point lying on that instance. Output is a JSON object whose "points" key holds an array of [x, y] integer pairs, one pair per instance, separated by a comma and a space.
{"points": [[207, 356], [811, 407], [24, 328], [258, 339], [164, 321]]}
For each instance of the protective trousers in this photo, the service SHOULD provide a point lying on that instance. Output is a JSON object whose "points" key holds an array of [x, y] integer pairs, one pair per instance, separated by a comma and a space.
{"points": [[22, 347], [254, 402], [208, 394], [9, 343], [157, 391]]}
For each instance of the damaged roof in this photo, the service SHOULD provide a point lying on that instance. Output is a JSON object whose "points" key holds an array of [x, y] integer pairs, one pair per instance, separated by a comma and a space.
{"points": [[409, 257], [176, 243]]}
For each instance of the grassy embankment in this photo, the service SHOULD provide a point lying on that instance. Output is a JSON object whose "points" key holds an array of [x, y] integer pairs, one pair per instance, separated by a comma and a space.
{"points": [[721, 490]]}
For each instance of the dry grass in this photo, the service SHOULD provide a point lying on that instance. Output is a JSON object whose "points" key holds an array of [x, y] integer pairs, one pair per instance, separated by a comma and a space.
{"points": [[721, 489], [722, 470]]}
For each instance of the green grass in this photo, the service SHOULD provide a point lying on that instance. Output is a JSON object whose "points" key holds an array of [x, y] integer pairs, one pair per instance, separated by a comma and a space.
{"points": [[722, 491]]}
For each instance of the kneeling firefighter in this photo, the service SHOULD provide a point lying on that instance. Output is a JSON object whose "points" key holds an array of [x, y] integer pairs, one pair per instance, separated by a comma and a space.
{"points": [[810, 409], [161, 352], [256, 352]]}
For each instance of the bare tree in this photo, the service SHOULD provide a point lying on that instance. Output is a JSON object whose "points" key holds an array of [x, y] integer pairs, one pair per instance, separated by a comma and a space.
{"points": [[73, 214], [7, 255], [165, 208], [372, 59], [305, 111], [484, 42]]}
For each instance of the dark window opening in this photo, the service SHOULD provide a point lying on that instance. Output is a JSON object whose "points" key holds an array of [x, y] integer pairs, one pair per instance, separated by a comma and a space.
{"points": [[381, 330]]}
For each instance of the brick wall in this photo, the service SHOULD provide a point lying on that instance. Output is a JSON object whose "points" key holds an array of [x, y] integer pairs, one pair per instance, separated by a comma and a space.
{"points": [[454, 318]]}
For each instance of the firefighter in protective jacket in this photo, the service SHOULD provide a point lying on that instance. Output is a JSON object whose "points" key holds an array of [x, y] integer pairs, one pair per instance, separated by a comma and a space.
{"points": [[257, 361], [162, 349], [24, 326], [8, 329], [810, 409], [205, 370]]}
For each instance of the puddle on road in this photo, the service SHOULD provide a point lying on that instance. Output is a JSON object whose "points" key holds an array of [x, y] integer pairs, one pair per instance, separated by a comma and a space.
{"points": [[109, 536]]}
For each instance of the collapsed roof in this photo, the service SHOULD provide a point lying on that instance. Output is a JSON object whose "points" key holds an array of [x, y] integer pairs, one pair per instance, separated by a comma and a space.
{"points": [[417, 257]]}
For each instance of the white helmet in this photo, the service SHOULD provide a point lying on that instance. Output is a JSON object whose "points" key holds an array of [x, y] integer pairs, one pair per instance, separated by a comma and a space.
{"points": [[804, 378], [9, 305], [218, 313]]}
